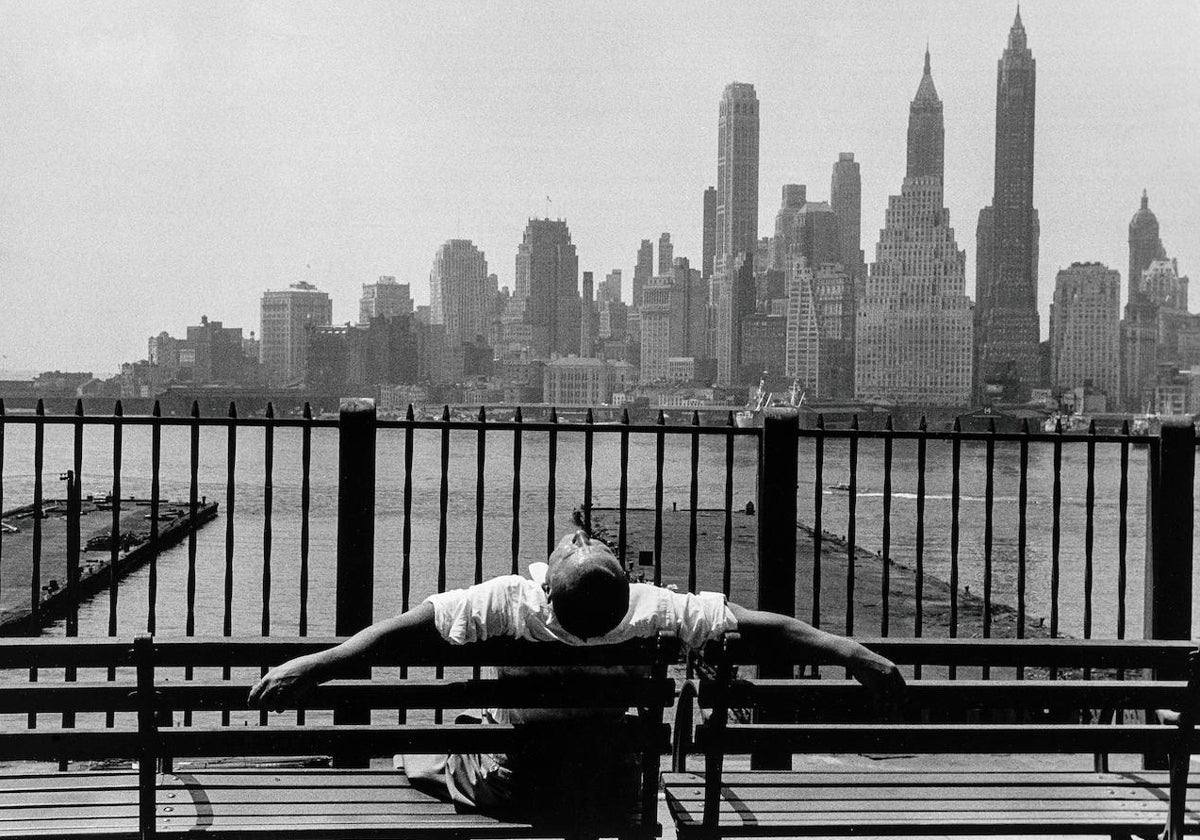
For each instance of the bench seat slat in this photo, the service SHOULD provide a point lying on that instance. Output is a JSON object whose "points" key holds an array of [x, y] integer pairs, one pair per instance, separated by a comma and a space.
{"points": [[889, 778], [323, 740], [932, 738], [848, 694]]}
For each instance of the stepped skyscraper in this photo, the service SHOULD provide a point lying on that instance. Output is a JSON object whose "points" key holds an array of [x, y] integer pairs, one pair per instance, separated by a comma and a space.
{"points": [[737, 221], [914, 325], [1007, 328]]}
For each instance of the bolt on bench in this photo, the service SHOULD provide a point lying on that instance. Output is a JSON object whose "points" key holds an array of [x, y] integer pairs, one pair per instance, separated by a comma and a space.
{"points": [[171, 794], [1027, 715]]}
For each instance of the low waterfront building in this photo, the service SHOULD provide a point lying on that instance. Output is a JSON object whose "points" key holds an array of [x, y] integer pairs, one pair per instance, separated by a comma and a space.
{"points": [[572, 380]]}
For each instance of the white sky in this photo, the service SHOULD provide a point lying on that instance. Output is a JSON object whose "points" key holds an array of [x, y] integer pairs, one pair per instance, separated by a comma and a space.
{"points": [[160, 161]]}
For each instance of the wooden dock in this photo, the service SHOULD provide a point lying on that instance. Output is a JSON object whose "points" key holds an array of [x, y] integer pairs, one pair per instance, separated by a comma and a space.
{"points": [[54, 596]]}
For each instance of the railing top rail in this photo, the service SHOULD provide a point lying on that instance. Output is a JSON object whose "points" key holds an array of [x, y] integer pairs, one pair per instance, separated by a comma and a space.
{"points": [[608, 427]]}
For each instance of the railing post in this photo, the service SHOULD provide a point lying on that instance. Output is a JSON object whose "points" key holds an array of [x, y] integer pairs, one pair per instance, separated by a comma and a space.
{"points": [[1169, 523], [778, 480], [356, 515], [355, 538]]}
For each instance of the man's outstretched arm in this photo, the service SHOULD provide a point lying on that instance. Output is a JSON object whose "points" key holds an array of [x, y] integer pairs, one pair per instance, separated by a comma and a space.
{"points": [[286, 685], [773, 631]]}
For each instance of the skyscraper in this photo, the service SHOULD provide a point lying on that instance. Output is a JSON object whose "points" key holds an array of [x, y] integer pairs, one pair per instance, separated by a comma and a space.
{"points": [[286, 318], [914, 323], [387, 298], [710, 232], [1144, 245], [1085, 328], [587, 326], [666, 254], [459, 293], [1007, 328], [736, 221], [643, 270], [547, 286], [610, 288], [786, 232], [845, 196]]}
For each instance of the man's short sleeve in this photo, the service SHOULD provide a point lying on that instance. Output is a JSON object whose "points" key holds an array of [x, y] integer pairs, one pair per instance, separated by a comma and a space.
{"points": [[483, 611], [700, 618]]}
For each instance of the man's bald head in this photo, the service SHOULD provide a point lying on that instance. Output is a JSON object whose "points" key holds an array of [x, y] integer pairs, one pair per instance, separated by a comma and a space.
{"points": [[587, 586]]}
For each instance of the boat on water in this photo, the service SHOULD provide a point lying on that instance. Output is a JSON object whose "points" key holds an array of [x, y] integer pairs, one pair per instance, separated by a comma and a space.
{"points": [[751, 415]]}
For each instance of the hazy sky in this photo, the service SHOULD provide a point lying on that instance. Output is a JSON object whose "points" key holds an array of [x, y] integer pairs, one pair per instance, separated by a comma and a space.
{"points": [[161, 161]]}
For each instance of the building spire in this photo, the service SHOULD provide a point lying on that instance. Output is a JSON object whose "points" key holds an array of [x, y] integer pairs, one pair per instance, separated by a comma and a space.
{"points": [[926, 92], [1145, 200]]}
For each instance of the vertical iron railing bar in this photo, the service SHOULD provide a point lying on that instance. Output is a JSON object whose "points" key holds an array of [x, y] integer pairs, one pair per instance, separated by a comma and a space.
{"points": [[589, 439], [155, 500], [989, 503], [193, 513], [406, 536], [851, 525], [551, 473], [406, 532], [1089, 533], [35, 574], [516, 492], [659, 458], [623, 492], [114, 537], [886, 576], [727, 566], [693, 503], [919, 584], [1022, 529], [1055, 533], [955, 501], [818, 516], [443, 505], [114, 543], [305, 509], [480, 461], [230, 496], [268, 504], [443, 500], [1055, 528], [1122, 534], [74, 514]]}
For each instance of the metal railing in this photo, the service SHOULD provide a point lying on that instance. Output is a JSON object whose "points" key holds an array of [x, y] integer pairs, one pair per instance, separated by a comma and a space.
{"points": [[787, 468]]}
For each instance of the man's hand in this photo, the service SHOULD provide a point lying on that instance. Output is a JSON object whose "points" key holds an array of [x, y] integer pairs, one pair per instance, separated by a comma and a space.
{"points": [[285, 686], [879, 674]]}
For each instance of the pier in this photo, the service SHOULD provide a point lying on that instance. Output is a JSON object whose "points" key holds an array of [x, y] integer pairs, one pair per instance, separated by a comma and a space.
{"points": [[136, 543]]}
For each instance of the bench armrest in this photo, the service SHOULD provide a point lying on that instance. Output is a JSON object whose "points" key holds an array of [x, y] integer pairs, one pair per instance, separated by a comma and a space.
{"points": [[682, 733]]}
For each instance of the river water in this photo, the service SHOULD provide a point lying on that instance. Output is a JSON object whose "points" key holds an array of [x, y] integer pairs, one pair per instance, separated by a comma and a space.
{"points": [[249, 519]]}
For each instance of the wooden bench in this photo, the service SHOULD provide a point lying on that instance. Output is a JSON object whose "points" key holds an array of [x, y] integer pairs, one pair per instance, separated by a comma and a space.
{"points": [[209, 778], [968, 716]]}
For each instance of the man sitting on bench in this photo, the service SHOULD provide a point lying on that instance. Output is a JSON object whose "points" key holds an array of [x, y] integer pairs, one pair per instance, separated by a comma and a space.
{"points": [[580, 597]]}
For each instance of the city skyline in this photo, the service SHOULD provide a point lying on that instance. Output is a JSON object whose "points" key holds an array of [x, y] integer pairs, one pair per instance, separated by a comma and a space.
{"points": [[138, 168]]}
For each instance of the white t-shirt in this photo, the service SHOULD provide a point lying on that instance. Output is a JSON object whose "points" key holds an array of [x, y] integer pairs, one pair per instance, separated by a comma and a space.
{"points": [[517, 607]]}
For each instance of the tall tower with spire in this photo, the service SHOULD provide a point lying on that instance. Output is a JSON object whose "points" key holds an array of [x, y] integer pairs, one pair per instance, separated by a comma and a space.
{"points": [[926, 135], [1145, 246], [914, 329], [1007, 328]]}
